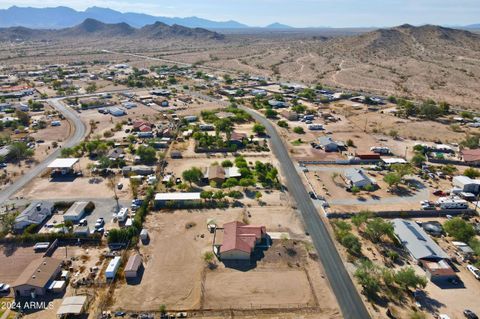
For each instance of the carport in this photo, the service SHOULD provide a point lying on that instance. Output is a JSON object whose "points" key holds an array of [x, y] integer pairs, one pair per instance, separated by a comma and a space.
{"points": [[63, 166], [72, 306]]}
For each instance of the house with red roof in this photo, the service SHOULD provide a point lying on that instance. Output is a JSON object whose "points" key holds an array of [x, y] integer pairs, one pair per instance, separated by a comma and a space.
{"points": [[471, 156], [239, 240], [142, 126]]}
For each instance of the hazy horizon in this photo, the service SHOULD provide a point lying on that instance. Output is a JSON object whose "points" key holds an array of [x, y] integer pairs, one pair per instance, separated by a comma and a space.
{"points": [[296, 13]]}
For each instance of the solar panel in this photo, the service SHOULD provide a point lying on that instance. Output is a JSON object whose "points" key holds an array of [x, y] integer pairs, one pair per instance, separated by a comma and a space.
{"points": [[416, 232]]}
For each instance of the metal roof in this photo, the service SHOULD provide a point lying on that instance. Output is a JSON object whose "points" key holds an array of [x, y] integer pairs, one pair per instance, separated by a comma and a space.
{"points": [[72, 305], [417, 241], [63, 163], [177, 196]]}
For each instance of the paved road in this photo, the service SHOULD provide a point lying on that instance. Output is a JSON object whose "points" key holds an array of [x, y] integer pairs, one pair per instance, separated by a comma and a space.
{"points": [[348, 298], [79, 133]]}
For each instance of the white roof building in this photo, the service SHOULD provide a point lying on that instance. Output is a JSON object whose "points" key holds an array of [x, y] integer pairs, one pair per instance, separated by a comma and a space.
{"points": [[177, 196], [60, 163]]}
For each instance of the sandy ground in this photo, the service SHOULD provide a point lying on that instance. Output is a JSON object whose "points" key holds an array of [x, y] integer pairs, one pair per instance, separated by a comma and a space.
{"points": [[267, 289], [81, 187], [174, 258]]}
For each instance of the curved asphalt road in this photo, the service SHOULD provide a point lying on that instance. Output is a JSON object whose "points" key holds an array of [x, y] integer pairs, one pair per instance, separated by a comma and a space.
{"points": [[348, 298], [76, 138]]}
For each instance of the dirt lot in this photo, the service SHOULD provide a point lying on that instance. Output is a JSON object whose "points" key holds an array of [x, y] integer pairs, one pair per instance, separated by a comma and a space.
{"points": [[259, 289], [406, 128], [175, 272], [81, 187]]}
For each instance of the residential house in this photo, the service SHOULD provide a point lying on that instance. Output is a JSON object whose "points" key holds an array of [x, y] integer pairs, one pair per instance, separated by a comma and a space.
{"points": [[416, 241], [328, 144], [35, 279], [277, 104], [35, 214], [471, 157], [466, 184], [238, 138], [116, 154], [219, 174], [239, 241], [290, 115], [358, 178]]}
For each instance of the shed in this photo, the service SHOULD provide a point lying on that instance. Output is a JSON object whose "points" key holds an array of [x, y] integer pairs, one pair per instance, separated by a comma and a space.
{"points": [[134, 264]]}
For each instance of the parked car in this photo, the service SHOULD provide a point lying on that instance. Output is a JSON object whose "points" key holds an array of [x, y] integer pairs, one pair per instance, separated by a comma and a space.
{"points": [[83, 222], [4, 288], [474, 270], [469, 314]]}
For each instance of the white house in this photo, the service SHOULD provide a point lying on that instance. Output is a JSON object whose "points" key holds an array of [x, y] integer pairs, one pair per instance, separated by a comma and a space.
{"points": [[357, 177]]}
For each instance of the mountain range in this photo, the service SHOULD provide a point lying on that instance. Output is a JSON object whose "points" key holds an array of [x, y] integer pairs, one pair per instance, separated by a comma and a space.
{"points": [[64, 17], [91, 28]]}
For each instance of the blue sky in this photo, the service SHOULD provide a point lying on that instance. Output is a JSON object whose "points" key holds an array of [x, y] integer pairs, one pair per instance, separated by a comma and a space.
{"points": [[301, 13]]}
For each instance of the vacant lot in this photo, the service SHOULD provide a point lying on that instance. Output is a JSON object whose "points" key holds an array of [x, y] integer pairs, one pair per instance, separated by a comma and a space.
{"points": [[81, 187], [257, 289]]}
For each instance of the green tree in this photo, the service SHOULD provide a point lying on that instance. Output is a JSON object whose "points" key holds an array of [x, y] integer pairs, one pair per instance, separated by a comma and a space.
{"points": [[361, 218], [407, 278], [147, 154], [352, 243], [282, 123], [471, 172], [367, 276], [418, 159], [298, 130], [459, 229], [192, 175], [259, 129], [227, 163], [18, 151], [377, 228], [271, 114], [206, 195], [91, 88], [229, 183], [402, 169], [392, 179], [23, 117]]}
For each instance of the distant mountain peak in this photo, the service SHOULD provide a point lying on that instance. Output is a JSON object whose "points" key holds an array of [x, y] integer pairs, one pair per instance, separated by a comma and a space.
{"points": [[97, 29], [64, 17], [278, 25]]}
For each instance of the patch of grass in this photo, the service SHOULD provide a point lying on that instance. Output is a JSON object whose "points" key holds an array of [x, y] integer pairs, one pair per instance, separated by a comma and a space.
{"points": [[297, 142]]}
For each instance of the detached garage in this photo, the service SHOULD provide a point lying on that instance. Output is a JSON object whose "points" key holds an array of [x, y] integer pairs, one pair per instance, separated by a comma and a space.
{"points": [[134, 265]]}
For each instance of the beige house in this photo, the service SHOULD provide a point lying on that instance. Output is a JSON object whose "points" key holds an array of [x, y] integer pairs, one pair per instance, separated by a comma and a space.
{"points": [[239, 241], [35, 278]]}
